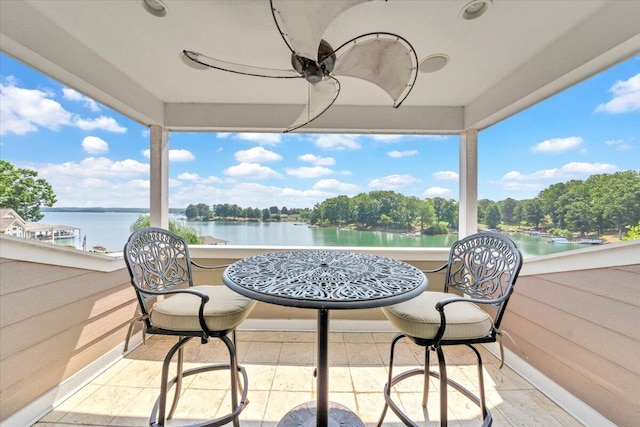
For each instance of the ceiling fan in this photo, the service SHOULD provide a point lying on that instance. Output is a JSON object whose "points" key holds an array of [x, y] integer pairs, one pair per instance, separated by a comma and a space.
{"points": [[384, 59]]}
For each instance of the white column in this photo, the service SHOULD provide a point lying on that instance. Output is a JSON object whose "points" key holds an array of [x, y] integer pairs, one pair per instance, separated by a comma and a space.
{"points": [[468, 191], [159, 176]]}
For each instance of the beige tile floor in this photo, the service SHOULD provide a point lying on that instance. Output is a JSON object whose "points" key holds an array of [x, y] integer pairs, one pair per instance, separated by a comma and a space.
{"points": [[280, 367]]}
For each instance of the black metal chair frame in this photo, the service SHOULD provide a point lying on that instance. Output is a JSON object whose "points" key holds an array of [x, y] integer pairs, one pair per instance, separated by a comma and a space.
{"points": [[483, 266], [159, 264]]}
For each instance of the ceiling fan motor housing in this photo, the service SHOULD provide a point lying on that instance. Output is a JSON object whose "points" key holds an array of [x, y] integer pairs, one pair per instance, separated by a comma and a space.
{"points": [[312, 70]]}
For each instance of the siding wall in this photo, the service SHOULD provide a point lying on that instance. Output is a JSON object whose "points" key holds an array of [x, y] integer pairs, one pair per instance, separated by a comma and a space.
{"points": [[582, 330], [54, 321]]}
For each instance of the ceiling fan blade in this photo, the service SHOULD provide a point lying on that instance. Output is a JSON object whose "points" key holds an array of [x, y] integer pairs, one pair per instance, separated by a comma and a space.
{"points": [[302, 23], [203, 62], [320, 97], [384, 59]]}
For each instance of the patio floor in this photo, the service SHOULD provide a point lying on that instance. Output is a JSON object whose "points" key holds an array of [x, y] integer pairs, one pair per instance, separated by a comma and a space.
{"points": [[280, 368]]}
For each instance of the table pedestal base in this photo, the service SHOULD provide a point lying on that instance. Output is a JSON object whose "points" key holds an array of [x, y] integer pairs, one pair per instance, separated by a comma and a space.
{"points": [[305, 416]]}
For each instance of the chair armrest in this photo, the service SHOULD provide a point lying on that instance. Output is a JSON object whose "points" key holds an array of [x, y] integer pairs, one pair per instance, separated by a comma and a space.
{"points": [[442, 267], [203, 296], [441, 304], [209, 267]]}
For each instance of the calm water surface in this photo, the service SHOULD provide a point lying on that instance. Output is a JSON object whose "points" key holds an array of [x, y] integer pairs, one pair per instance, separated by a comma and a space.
{"points": [[111, 230]]}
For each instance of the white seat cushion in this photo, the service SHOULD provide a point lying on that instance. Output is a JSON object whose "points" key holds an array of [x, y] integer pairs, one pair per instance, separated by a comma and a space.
{"points": [[419, 318], [225, 310]]}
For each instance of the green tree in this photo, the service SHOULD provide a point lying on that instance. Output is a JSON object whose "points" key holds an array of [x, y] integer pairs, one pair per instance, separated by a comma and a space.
{"points": [[426, 213], [450, 213], [492, 216], [483, 204], [551, 202], [439, 207], [507, 208], [621, 199], [22, 191], [204, 211], [191, 212], [633, 233], [189, 233], [365, 210], [534, 213]]}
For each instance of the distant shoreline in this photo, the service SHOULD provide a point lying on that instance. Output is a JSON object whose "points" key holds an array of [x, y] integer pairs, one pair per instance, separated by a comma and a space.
{"points": [[101, 209]]}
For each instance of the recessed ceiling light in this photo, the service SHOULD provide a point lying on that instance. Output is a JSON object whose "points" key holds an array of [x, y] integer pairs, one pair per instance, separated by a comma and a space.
{"points": [[475, 9], [433, 63], [191, 63], [155, 7]]}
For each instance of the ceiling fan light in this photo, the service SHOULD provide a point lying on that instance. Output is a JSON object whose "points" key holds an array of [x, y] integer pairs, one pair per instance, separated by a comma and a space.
{"points": [[191, 63], [475, 9], [313, 73], [433, 63], [155, 7]]}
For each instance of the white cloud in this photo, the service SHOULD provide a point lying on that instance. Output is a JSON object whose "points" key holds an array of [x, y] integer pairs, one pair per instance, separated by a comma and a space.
{"points": [[194, 177], [619, 145], [569, 171], [91, 192], [186, 176], [181, 156], [446, 176], [256, 155], [261, 138], [96, 167], [193, 193], [174, 155], [392, 182], [72, 95], [102, 122], [317, 160], [398, 154], [536, 181], [338, 142], [252, 171], [437, 192], [626, 97], [397, 138], [387, 138], [309, 172], [575, 169], [261, 196], [335, 186], [557, 145], [94, 145], [24, 110]]}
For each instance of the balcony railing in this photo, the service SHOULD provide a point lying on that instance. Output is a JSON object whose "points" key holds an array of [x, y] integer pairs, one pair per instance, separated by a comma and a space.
{"points": [[64, 315]]}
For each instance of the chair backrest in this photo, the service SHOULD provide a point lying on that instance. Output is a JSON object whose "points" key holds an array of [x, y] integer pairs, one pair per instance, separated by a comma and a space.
{"points": [[158, 260], [484, 266]]}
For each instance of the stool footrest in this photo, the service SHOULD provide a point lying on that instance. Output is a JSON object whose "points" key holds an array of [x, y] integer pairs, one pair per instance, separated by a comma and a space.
{"points": [[220, 421], [486, 422]]}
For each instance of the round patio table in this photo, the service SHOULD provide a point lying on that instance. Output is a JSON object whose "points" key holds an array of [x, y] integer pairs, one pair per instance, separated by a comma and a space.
{"points": [[324, 280]]}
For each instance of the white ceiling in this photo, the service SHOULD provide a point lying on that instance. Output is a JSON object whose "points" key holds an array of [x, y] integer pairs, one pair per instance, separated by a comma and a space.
{"points": [[515, 55]]}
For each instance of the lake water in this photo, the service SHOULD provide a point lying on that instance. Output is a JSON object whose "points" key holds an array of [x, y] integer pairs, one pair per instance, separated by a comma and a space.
{"points": [[111, 230]]}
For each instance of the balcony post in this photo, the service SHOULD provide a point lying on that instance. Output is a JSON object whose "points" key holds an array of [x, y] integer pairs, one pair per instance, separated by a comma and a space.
{"points": [[159, 176], [468, 183]]}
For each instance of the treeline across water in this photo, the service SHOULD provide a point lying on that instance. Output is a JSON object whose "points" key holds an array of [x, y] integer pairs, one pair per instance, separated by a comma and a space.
{"points": [[602, 202]]}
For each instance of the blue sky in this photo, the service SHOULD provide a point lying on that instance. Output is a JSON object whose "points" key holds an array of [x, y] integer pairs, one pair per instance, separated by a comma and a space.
{"points": [[93, 156]]}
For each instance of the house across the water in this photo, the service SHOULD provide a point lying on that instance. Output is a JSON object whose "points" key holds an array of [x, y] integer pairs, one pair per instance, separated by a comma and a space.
{"points": [[12, 224]]}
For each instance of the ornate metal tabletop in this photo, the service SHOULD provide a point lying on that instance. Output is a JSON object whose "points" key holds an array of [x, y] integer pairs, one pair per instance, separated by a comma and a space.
{"points": [[325, 279]]}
